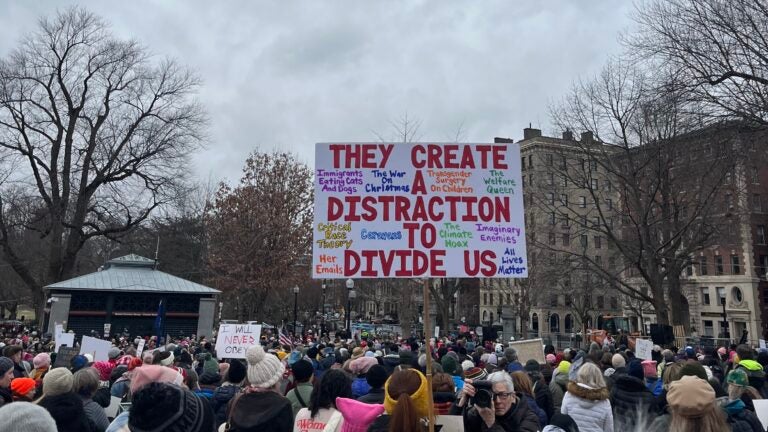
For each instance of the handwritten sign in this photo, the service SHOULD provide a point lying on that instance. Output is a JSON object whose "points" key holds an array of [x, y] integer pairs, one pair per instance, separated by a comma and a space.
{"points": [[643, 348], [418, 210], [233, 340], [64, 356], [140, 348], [532, 349], [98, 348]]}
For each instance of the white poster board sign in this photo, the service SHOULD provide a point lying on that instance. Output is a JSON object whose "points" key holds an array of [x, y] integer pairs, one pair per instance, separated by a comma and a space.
{"points": [[408, 210], [233, 340], [66, 339], [58, 331], [98, 348], [762, 343], [437, 332], [114, 406], [140, 348], [761, 409], [531, 349], [643, 348]]}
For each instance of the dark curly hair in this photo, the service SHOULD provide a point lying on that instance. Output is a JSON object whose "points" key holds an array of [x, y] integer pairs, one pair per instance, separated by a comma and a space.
{"points": [[333, 384]]}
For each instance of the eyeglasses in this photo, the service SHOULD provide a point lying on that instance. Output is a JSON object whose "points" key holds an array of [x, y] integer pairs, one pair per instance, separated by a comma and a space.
{"points": [[501, 396]]}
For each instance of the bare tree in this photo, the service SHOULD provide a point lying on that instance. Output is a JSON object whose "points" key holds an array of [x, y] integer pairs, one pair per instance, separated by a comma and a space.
{"points": [[99, 132], [650, 187], [260, 234], [717, 49]]}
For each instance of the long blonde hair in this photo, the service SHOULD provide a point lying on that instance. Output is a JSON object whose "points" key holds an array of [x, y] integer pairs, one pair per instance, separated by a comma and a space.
{"points": [[713, 421]]}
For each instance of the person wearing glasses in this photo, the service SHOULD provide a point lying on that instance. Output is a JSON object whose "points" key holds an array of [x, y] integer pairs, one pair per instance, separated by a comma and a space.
{"points": [[506, 413]]}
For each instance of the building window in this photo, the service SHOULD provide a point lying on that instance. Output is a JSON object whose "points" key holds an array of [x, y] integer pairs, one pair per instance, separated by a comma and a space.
{"points": [[593, 183], [614, 303], [553, 300], [552, 238], [485, 299], [551, 199], [554, 323], [564, 200], [584, 241], [719, 265], [568, 323], [583, 202], [550, 160], [598, 242], [738, 297], [761, 234], [522, 163], [756, 203], [720, 295], [607, 185], [552, 218], [565, 220], [551, 179], [728, 202], [611, 263], [600, 302], [609, 204], [593, 165], [705, 296], [709, 329], [566, 239], [703, 265], [530, 161], [735, 265], [763, 265], [755, 177], [598, 260], [564, 181], [596, 221], [530, 180], [563, 163]]}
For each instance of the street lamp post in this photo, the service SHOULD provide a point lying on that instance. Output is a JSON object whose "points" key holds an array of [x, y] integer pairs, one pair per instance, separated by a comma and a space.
{"points": [[295, 307], [350, 290], [322, 316]]}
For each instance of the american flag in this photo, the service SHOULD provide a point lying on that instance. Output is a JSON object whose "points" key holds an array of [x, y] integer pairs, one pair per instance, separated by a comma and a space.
{"points": [[285, 339]]}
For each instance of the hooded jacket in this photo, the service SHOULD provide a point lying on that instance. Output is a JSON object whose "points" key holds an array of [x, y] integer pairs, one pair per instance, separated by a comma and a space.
{"points": [[543, 395], [755, 373], [632, 402], [519, 418], [741, 419], [558, 387], [589, 407], [261, 412]]}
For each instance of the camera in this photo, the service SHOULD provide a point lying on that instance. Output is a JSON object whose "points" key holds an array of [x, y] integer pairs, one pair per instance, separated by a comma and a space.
{"points": [[483, 393]]}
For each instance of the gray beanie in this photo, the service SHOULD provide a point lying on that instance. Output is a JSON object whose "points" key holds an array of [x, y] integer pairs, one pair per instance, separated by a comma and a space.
{"points": [[5, 365], [26, 417], [57, 381]]}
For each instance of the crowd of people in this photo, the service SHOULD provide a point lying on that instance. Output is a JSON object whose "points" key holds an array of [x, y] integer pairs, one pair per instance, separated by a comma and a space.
{"points": [[380, 385]]}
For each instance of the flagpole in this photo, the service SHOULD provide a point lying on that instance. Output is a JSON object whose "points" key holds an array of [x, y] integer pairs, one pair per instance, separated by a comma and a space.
{"points": [[427, 337]]}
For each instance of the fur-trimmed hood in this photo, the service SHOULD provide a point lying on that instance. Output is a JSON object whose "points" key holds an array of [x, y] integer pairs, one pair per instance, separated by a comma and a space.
{"points": [[584, 392]]}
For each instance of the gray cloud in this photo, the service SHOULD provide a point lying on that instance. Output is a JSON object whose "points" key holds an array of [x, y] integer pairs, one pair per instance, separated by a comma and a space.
{"points": [[284, 75]]}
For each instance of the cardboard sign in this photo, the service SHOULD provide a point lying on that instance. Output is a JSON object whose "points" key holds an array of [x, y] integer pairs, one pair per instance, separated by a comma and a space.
{"points": [[65, 339], [233, 340], [529, 349], [408, 210], [140, 348], [64, 356], [643, 348], [98, 348]]}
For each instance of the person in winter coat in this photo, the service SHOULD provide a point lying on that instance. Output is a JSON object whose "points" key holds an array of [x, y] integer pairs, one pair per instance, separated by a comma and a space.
{"points": [[20, 367], [406, 403], [321, 414], [301, 394], [85, 382], [358, 416], [754, 370], [41, 362], [739, 418], [586, 401], [652, 381], [359, 367], [541, 392], [6, 376], [507, 412], [524, 391], [376, 377], [693, 408], [232, 385], [66, 408], [558, 384], [443, 393], [259, 407], [634, 406], [23, 389]]}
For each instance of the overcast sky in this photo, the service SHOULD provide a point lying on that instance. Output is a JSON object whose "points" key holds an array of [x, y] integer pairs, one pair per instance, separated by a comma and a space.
{"points": [[287, 74]]}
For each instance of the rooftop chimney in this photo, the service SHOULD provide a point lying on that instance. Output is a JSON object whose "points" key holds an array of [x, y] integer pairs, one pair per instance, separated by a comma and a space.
{"points": [[499, 140], [586, 136], [529, 133], [568, 135]]}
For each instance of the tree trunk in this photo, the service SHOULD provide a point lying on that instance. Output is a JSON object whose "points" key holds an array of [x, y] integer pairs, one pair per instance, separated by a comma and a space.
{"points": [[679, 310]]}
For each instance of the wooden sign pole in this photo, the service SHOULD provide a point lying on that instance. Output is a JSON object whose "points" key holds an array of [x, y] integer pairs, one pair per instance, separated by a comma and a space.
{"points": [[427, 338]]}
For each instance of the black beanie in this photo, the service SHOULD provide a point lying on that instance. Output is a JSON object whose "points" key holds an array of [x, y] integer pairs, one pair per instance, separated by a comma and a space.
{"points": [[169, 408], [236, 372], [376, 376], [302, 370]]}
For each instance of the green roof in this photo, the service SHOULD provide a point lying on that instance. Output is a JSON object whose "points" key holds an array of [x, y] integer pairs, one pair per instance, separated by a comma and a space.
{"points": [[132, 273]]}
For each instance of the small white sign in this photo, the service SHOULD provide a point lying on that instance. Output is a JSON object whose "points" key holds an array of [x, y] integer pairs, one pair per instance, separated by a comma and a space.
{"points": [[643, 348], [762, 343], [233, 340], [140, 348], [437, 332], [59, 330], [98, 348], [66, 339]]}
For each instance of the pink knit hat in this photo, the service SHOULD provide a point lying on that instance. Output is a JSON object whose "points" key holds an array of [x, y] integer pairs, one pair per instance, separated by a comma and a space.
{"points": [[142, 376], [362, 364], [649, 368], [357, 415], [41, 360], [721, 350], [551, 359]]}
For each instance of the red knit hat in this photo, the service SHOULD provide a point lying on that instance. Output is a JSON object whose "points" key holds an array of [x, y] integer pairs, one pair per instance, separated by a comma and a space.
{"points": [[22, 386]]}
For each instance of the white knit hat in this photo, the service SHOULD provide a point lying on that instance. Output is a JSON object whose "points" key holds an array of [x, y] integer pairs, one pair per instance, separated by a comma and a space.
{"points": [[467, 365], [264, 370], [26, 417]]}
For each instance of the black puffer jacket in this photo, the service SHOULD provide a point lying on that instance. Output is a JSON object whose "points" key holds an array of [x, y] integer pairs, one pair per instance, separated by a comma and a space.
{"points": [[634, 406], [220, 401], [519, 418], [542, 395]]}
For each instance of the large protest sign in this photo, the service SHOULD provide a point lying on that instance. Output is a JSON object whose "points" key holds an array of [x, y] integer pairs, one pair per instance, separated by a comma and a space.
{"points": [[98, 348], [643, 348], [531, 349], [65, 339], [418, 210], [233, 340]]}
